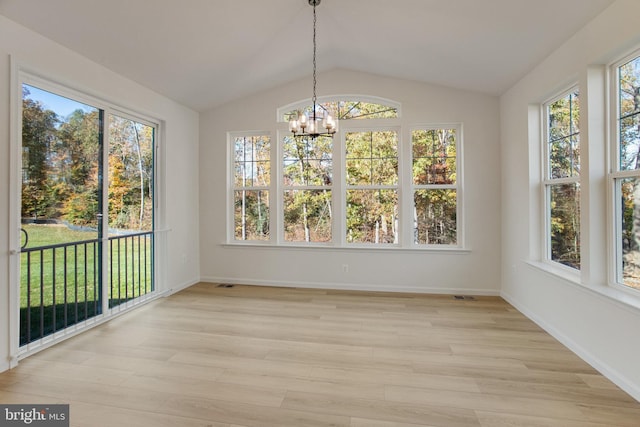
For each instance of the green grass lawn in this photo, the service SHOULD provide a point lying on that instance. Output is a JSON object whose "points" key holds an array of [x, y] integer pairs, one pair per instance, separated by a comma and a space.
{"points": [[59, 287]]}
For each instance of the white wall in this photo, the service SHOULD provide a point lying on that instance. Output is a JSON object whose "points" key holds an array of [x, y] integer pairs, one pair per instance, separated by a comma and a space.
{"points": [[180, 152], [600, 328], [476, 271]]}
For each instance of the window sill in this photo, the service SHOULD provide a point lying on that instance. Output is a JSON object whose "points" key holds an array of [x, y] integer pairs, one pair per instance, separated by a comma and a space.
{"points": [[567, 274], [629, 300], [454, 250]]}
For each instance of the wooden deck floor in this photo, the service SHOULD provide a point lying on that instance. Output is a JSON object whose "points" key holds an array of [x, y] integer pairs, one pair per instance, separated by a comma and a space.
{"points": [[252, 356]]}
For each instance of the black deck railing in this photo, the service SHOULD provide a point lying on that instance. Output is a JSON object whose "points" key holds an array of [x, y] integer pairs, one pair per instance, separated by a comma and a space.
{"points": [[130, 267], [61, 284]]}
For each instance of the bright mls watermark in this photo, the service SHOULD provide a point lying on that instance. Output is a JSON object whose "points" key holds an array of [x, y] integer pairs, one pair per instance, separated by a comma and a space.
{"points": [[34, 415]]}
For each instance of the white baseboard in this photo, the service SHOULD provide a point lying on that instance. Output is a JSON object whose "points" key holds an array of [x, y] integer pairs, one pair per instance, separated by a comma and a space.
{"points": [[353, 286], [181, 286], [602, 367]]}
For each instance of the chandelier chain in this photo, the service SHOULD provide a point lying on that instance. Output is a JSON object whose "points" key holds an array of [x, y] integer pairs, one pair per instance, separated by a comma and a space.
{"points": [[314, 59], [311, 125]]}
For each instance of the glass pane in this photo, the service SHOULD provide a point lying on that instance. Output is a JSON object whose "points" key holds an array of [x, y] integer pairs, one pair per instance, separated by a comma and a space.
{"points": [[563, 117], [372, 158], [629, 241], [563, 137], [130, 176], [349, 110], [629, 75], [565, 224], [252, 166], [307, 215], [359, 172], [435, 217], [385, 171], [131, 189], [629, 119], [251, 215], [630, 142], [60, 168], [575, 155], [372, 216], [60, 201], [307, 161], [434, 156], [560, 158]]}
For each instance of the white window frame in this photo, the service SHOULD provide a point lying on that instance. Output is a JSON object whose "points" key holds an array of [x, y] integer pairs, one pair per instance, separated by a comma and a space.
{"points": [[616, 176], [25, 74], [404, 187], [548, 182], [281, 188], [232, 188], [458, 186], [346, 187]]}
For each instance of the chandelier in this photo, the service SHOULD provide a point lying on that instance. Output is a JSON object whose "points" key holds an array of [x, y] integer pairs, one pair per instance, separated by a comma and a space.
{"points": [[318, 122]]}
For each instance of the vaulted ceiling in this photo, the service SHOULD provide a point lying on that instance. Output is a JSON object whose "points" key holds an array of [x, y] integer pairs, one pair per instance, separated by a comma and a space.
{"points": [[203, 53]]}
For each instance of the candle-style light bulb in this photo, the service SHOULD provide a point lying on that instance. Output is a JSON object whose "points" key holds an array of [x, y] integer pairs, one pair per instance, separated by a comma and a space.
{"points": [[293, 126], [303, 120]]}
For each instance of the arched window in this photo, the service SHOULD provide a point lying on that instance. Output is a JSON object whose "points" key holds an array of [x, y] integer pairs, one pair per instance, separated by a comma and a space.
{"points": [[345, 108]]}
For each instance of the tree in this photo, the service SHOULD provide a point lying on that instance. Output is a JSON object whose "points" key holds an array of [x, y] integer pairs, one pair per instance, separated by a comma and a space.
{"points": [[131, 174], [78, 139], [39, 134]]}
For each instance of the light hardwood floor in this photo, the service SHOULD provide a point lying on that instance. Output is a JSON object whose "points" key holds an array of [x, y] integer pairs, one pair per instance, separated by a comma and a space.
{"points": [[253, 356]]}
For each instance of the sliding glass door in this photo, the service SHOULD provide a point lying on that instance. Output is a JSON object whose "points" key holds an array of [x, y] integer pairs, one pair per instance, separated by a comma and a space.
{"points": [[87, 212]]}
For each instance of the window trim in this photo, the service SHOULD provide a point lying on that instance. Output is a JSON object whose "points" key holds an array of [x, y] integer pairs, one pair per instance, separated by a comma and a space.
{"points": [[344, 187], [24, 73], [458, 187], [231, 188], [404, 186], [616, 175], [280, 188], [547, 182]]}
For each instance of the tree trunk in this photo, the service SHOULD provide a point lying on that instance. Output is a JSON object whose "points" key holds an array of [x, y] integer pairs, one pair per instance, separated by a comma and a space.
{"points": [[141, 172]]}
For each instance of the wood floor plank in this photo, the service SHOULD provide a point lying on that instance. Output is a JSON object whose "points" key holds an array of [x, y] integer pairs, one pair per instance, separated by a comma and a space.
{"points": [[580, 395], [496, 419], [382, 410], [93, 415], [598, 381], [338, 387], [247, 356], [369, 377], [362, 422], [337, 360], [250, 415], [252, 394], [62, 371], [257, 366], [484, 402], [611, 415]]}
